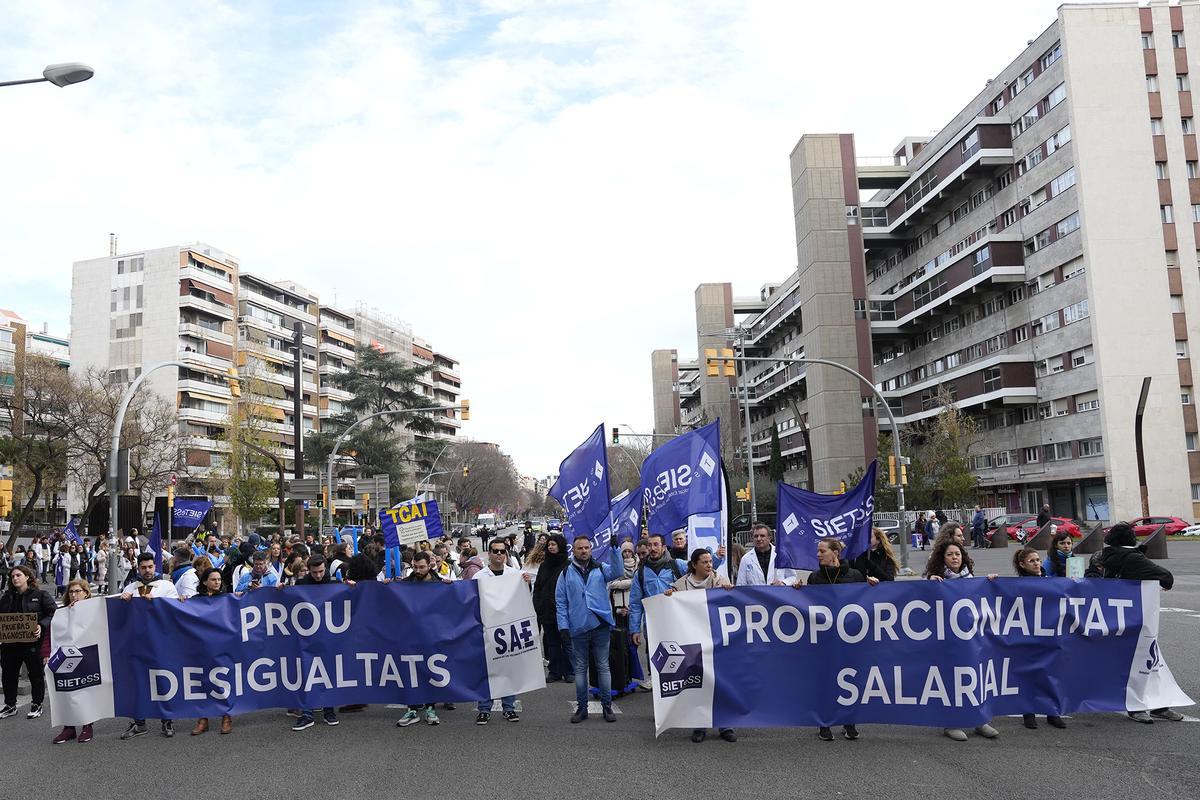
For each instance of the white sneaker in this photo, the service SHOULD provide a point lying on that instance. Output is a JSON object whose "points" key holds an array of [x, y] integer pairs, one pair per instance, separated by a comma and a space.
{"points": [[987, 731], [35, 711], [8, 711]]}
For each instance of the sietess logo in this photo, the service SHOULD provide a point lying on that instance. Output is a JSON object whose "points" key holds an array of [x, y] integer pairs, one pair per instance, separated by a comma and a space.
{"points": [[1155, 662], [76, 667], [790, 524], [679, 666], [188, 513]]}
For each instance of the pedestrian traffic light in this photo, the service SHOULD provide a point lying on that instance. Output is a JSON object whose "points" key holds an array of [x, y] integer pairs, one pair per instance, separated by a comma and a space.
{"points": [[235, 385], [466, 471], [465, 405], [616, 436], [6, 496]]}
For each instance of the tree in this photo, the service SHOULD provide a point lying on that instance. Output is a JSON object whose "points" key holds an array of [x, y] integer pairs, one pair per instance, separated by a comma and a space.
{"points": [[775, 467], [940, 474], [378, 381], [149, 433], [491, 481], [246, 477], [625, 465], [36, 414]]}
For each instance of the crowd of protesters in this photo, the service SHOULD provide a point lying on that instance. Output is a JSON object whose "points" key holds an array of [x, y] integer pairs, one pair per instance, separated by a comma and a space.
{"points": [[590, 613]]}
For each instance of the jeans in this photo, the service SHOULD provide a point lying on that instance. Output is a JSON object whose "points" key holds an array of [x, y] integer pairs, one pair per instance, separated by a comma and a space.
{"points": [[593, 643], [12, 656], [508, 703], [556, 653]]}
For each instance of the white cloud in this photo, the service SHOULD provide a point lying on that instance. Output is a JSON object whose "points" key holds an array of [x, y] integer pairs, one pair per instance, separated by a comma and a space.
{"points": [[537, 188]]}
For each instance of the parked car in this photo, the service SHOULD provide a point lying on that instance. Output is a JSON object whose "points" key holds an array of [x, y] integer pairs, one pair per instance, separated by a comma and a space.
{"points": [[1190, 530], [891, 527], [1029, 528], [554, 525], [537, 524], [1144, 526]]}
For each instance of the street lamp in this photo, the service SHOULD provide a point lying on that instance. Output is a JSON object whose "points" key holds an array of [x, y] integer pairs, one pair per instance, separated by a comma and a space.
{"points": [[714, 361], [59, 74]]}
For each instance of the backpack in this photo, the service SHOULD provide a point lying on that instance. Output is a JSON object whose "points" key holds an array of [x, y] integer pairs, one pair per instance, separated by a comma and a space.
{"points": [[642, 574], [1095, 567]]}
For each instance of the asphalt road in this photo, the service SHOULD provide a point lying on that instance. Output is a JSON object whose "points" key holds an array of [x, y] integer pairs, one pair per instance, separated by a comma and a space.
{"points": [[543, 756]]}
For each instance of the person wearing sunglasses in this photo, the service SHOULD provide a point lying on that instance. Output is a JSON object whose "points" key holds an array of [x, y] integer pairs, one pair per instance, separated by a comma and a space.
{"points": [[498, 566]]}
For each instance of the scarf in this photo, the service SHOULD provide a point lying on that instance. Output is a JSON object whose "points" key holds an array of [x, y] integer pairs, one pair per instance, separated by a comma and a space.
{"points": [[965, 572], [178, 573], [660, 564]]}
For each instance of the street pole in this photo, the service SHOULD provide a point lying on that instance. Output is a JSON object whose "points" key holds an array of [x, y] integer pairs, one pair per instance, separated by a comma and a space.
{"points": [[745, 397], [355, 424], [118, 423], [297, 426], [891, 419]]}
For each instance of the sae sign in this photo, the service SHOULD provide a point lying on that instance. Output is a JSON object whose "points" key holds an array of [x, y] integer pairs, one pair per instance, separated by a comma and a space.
{"points": [[409, 523]]}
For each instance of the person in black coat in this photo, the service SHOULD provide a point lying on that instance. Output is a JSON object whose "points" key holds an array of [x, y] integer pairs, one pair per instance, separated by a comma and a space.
{"points": [[544, 605], [1122, 558], [1043, 516], [23, 596], [878, 563]]}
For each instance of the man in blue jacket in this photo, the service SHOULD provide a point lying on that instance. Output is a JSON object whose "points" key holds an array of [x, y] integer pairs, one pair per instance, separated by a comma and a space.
{"points": [[657, 572], [585, 622], [978, 524]]}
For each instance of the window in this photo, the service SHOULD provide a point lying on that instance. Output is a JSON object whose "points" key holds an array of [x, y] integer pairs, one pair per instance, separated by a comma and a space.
{"points": [[1009, 218], [1181, 83], [1044, 281], [1190, 440], [1073, 268], [1055, 53], [1176, 38], [1048, 323], [1160, 170], [1185, 395], [1002, 459], [1075, 312], [1060, 451], [1062, 182], [1151, 83], [1020, 334], [1156, 126], [1068, 225], [1016, 295], [991, 379], [972, 141], [1057, 96], [1058, 140], [1045, 411], [1181, 348], [1004, 180], [1032, 455], [1186, 124], [1089, 401], [1193, 170], [1196, 492], [1028, 414], [1147, 41], [1091, 447], [984, 253], [1025, 79], [1167, 214], [1049, 366]]}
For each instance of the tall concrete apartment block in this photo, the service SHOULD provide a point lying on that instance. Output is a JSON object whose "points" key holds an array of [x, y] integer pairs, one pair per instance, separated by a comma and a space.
{"points": [[194, 304], [1033, 259], [664, 374]]}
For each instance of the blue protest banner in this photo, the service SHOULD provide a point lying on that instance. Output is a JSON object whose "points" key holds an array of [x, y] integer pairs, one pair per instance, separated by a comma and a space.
{"points": [[682, 478], [582, 486], [299, 647], [409, 523], [946, 654], [154, 544], [806, 518], [190, 513], [71, 533]]}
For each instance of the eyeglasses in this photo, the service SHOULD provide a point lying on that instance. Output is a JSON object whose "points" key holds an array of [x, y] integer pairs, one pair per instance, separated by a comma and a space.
{"points": [[499, 552]]}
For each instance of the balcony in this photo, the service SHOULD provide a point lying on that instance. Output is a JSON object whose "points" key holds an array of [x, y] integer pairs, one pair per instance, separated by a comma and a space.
{"points": [[204, 443], [211, 278], [203, 361], [216, 309], [201, 415], [204, 387], [789, 376], [997, 380], [248, 294], [777, 313], [881, 172], [203, 332]]}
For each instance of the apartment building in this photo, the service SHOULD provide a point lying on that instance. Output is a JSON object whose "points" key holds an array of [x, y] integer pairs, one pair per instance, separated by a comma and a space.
{"points": [[195, 304], [990, 262]]}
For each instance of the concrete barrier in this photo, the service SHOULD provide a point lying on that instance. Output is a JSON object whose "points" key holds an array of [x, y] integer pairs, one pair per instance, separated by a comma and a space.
{"points": [[999, 537], [1041, 539], [1155, 545], [1092, 541]]}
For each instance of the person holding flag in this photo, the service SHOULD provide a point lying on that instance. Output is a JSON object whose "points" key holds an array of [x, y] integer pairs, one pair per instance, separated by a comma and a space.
{"points": [[582, 489], [585, 623], [807, 519]]}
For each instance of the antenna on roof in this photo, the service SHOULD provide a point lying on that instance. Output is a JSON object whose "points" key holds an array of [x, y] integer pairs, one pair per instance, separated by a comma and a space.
{"points": [[112, 244]]}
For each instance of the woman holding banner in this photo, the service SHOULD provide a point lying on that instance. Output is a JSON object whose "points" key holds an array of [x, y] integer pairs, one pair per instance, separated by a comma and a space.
{"points": [[701, 575], [1061, 545], [210, 584], [880, 561], [1028, 564], [949, 561], [76, 590]]}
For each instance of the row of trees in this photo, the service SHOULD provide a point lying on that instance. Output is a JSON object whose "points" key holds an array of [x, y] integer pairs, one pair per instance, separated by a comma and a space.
{"points": [[58, 428]]}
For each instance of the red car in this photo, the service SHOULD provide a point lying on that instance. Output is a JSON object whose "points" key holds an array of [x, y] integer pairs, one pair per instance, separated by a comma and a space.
{"points": [[1148, 525], [1028, 527]]}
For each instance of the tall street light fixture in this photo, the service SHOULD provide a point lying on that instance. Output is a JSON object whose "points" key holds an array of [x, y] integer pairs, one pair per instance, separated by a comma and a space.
{"points": [[59, 74]]}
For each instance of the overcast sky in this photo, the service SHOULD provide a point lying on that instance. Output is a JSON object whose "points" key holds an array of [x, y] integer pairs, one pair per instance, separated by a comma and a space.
{"points": [[537, 187]]}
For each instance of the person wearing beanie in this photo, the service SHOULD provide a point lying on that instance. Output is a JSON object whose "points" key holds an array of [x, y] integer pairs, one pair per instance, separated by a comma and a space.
{"points": [[1123, 558]]}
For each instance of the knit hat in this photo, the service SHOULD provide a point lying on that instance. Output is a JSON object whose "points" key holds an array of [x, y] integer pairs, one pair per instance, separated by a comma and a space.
{"points": [[1120, 535], [255, 540]]}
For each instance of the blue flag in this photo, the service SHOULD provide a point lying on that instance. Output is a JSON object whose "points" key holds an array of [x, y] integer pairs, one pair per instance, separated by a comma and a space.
{"points": [[155, 544], [582, 486], [190, 513], [73, 534], [682, 478], [806, 518], [624, 522]]}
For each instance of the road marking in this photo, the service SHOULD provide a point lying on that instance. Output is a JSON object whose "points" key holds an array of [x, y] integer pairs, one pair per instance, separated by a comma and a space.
{"points": [[1171, 610]]}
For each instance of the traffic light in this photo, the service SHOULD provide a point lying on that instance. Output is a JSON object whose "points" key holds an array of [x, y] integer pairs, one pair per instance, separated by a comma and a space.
{"points": [[466, 470], [904, 474], [616, 436], [170, 496], [235, 385], [892, 470], [466, 409], [366, 502], [713, 362], [6, 496], [324, 501], [730, 364]]}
